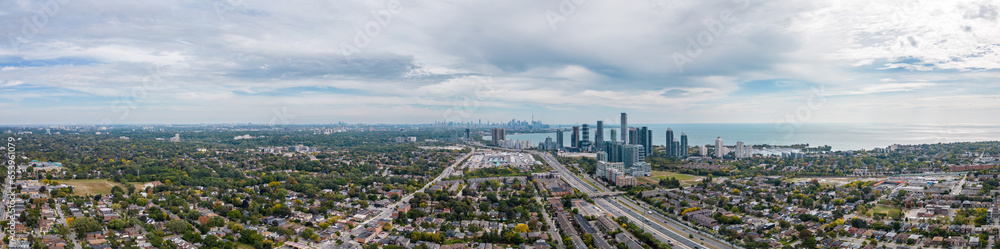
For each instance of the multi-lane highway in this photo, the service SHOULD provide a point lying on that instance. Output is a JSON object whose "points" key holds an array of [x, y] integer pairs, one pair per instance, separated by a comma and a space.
{"points": [[672, 225], [662, 228], [616, 209]]}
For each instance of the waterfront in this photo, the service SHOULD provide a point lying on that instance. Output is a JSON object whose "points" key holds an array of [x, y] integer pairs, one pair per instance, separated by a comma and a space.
{"points": [[838, 136]]}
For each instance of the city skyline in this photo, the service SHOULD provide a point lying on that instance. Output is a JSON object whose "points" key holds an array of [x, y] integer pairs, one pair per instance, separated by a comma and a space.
{"points": [[410, 62]]}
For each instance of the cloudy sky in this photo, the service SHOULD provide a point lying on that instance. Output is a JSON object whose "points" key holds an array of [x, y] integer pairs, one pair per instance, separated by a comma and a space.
{"points": [[404, 61]]}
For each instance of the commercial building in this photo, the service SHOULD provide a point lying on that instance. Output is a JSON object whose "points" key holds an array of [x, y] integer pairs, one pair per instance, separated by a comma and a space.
{"points": [[585, 140], [575, 137], [741, 151], [599, 134], [624, 128], [616, 159], [632, 135], [559, 139], [497, 136], [645, 137], [684, 145], [670, 150], [720, 151]]}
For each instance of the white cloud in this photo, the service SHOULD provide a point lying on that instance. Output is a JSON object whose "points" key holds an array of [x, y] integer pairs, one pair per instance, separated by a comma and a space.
{"points": [[888, 87], [240, 57]]}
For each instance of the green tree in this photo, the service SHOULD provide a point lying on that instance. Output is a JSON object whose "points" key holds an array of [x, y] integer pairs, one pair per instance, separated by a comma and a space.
{"points": [[84, 225], [177, 226], [117, 224]]}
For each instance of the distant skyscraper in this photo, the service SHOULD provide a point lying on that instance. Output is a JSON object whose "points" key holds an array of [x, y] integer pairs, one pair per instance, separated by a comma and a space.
{"points": [[575, 137], [742, 151], [585, 140], [559, 139], [670, 143], [467, 134], [624, 128], [684, 145], [599, 134], [633, 136], [633, 154], [649, 141], [676, 146], [642, 134], [613, 136], [616, 159], [720, 151], [497, 136]]}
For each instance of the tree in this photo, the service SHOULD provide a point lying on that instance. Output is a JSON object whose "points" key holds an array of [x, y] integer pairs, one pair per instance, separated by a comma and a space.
{"points": [[117, 224], [177, 226], [141, 201], [804, 234], [235, 214], [85, 225], [212, 241], [117, 190], [307, 233], [809, 242], [521, 228]]}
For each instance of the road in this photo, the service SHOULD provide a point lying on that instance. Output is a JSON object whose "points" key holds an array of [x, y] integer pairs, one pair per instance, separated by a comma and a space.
{"points": [[552, 226], [573, 180], [7, 200], [957, 189], [673, 225], [661, 227], [616, 209], [385, 212]]}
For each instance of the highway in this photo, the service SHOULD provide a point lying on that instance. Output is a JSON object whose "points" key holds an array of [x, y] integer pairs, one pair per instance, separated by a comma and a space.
{"points": [[674, 226], [573, 180], [661, 227], [616, 209]]}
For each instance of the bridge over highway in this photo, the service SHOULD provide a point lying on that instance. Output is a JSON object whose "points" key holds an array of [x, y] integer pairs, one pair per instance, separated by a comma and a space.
{"points": [[606, 194]]}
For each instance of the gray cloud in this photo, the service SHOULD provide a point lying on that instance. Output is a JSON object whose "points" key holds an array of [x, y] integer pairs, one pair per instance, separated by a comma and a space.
{"points": [[604, 54]]}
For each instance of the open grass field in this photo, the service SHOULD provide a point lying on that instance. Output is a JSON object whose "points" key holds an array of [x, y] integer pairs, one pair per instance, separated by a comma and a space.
{"points": [[685, 179], [881, 209], [668, 175], [96, 186], [647, 180], [91, 186]]}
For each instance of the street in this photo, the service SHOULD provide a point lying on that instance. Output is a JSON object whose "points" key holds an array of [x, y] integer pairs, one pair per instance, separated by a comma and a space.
{"points": [[662, 228], [385, 212]]}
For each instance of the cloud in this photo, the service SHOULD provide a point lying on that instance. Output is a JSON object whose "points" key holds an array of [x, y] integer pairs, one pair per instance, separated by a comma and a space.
{"points": [[888, 87], [748, 62]]}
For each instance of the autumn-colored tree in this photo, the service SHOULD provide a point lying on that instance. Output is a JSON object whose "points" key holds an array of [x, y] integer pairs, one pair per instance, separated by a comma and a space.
{"points": [[521, 228]]}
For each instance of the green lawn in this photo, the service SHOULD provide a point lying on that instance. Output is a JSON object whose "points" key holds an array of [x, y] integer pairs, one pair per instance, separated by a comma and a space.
{"points": [[668, 175], [95, 186], [882, 210], [90, 186]]}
